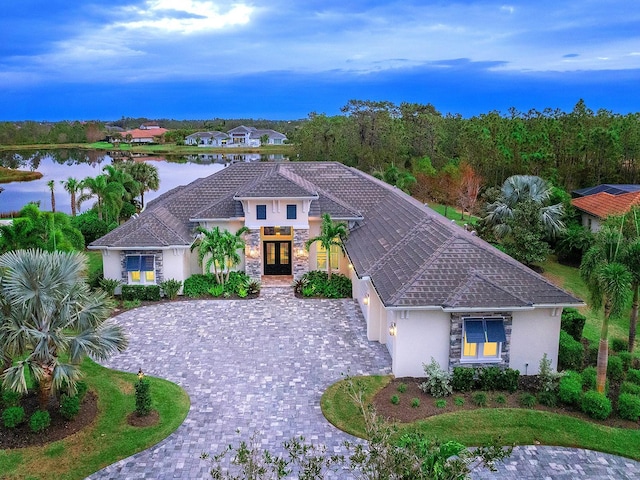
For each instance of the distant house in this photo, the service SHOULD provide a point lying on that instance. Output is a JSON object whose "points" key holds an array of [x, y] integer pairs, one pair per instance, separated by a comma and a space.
{"points": [[597, 203], [147, 133], [237, 137], [426, 288]]}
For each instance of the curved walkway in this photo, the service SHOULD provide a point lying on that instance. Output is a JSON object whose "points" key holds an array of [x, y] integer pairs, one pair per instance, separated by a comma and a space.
{"points": [[261, 366]]}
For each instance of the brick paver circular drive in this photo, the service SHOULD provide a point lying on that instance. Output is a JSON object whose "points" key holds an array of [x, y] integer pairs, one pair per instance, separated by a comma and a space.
{"points": [[260, 366]]}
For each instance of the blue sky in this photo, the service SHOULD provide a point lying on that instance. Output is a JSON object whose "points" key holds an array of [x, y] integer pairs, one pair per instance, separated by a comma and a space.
{"points": [[282, 59]]}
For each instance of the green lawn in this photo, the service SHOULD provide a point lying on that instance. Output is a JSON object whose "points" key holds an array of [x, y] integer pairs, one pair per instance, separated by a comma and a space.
{"points": [[476, 427], [453, 213], [109, 438]]}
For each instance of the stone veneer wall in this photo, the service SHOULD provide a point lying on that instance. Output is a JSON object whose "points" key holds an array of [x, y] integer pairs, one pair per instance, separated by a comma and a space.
{"points": [[300, 262], [253, 266], [159, 272], [455, 340]]}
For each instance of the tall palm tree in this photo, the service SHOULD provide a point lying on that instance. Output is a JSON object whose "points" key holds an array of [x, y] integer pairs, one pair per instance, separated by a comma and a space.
{"points": [[51, 320], [210, 245], [143, 173], [51, 184], [232, 243], [117, 175], [330, 234], [632, 262], [608, 282], [72, 186], [110, 196], [523, 188]]}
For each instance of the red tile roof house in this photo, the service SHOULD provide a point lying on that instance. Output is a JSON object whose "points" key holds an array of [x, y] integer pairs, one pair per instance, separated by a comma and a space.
{"points": [[426, 287], [597, 207], [144, 134]]}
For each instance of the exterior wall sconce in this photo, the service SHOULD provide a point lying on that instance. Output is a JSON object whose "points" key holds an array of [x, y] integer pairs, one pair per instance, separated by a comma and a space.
{"points": [[393, 329], [365, 300], [252, 252], [301, 252]]}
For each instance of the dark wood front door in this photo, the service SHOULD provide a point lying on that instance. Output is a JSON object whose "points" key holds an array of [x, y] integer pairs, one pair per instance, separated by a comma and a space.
{"points": [[277, 258]]}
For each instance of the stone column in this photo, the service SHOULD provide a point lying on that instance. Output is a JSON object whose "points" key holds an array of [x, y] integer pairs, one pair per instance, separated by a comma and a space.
{"points": [[300, 253], [253, 255]]}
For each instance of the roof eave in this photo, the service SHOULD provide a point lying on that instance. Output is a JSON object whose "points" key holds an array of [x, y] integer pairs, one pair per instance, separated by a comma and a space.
{"points": [[300, 197], [156, 247]]}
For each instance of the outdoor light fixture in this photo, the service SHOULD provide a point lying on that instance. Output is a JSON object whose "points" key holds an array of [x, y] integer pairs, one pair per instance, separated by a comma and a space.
{"points": [[393, 329], [140, 374], [365, 300], [253, 252], [301, 252], [351, 266]]}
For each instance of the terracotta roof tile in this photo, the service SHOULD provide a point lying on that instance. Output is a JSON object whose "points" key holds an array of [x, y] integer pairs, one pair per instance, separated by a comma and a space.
{"points": [[603, 204]]}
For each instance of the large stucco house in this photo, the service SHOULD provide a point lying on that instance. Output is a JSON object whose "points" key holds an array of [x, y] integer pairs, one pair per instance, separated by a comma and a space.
{"points": [[240, 136], [426, 287], [597, 203]]}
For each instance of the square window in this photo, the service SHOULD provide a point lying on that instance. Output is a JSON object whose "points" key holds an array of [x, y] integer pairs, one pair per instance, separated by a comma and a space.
{"points": [[141, 269], [261, 212], [292, 212], [482, 339]]}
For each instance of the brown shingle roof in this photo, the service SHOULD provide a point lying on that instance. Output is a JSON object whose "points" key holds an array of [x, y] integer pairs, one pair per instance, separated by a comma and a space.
{"points": [[603, 204]]}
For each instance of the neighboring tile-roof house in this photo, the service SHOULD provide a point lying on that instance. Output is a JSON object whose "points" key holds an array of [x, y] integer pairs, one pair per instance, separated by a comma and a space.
{"points": [[414, 256], [603, 204], [613, 189]]}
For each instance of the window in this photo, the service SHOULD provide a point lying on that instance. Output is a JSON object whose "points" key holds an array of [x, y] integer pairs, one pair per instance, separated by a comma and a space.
{"points": [[141, 269], [261, 212], [482, 338], [292, 212], [321, 256]]}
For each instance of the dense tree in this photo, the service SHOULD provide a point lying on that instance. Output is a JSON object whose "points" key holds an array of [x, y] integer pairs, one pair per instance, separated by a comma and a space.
{"points": [[144, 173], [330, 234], [52, 320], [109, 196]]}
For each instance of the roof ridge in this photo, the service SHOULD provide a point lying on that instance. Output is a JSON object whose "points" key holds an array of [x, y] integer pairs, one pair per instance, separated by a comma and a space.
{"points": [[297, 179], [455, 295], [159, 219]]}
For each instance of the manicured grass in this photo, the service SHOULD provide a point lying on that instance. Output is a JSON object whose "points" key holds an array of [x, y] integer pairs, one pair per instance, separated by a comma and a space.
{"points": [[8, 175], [452, 213], [100, 145], [569, 278], [94, 263], [109, 438], [476, 427]]}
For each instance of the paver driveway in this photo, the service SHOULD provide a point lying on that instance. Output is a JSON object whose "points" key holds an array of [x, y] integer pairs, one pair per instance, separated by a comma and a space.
{"points": [[262, 366], [258, 366]]}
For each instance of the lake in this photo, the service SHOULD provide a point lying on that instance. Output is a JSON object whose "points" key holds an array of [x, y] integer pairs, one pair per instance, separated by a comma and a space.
{"points": [[59, 165]]}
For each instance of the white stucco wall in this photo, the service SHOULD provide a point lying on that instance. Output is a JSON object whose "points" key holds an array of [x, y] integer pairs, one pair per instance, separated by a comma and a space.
{"points": [[111, 266], [176, 264], [276, 213], [590, 222], [533, 334], [421, 334]]}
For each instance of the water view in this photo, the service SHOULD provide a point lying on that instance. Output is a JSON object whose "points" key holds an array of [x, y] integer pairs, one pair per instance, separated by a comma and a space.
{"points": [[59, 165]]}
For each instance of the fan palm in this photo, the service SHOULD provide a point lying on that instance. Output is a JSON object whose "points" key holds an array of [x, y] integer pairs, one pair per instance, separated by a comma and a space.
{"points": [[49, 312], [608, 281], [330, 234]]}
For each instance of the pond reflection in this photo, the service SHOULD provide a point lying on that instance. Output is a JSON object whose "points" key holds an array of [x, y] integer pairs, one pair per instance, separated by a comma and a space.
{"points": [[60, 164]]}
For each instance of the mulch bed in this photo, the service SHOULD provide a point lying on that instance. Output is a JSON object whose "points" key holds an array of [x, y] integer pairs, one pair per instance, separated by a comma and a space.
{"points": [[136, 420], [403, 412], [22, 436]]}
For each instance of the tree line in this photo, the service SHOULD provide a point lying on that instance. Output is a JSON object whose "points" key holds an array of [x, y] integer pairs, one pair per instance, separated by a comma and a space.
{"points": [[570, 149]]}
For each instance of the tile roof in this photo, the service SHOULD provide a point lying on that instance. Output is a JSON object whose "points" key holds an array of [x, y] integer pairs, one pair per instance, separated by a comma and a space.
{"points": [[603, 204], [612, 188], [413, 256]]}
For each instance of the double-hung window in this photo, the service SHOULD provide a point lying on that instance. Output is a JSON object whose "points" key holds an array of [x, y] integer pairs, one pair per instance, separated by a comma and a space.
{"points": [[141, 269], [321, 256], [482, 339], [261, 212]]}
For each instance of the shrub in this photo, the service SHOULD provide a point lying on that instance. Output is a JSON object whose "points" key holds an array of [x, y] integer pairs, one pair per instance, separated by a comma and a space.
{"points": [[635, 362], [317, 282], [570, 352], [458, 401], [462, 379], [629, 406], [619, 344], [10, 398], [402, 387], [528, 400], [480, 399], [89, 225], [81, 389], [128, 304], [395, 399], [141, 292], [509, 380], [12, 417], [441, 403], [198, 285], [626, 358], [633, 376], [548, 399], [615, 370], [628, 387], [573, 323], [415, 402], [589, 375], [39, 421], [437, 382], [570, 388], [253, 287], [591, 354], [143, 397], [216, 290], [109, 285], [171, 288], [69, 406], [548, 378], [501, 399], [489, 378], [596, 405]]}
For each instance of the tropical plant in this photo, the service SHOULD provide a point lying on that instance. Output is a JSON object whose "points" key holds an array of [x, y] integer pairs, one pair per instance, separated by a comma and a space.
{"points": [[51, 184], [72, 186], [608, 282], [109, 196], [145, 174], [51, 320], [330, 234], [220, 249]]}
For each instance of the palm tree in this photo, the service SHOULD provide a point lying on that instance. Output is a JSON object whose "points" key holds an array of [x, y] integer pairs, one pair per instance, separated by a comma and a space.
{"points": [[51, 184], [110, 196], [519, 189], [145, 174], [232, 243], [608, 282], [330, 234], [50, 312], [117, 175], [632, 262], [220, 247], [72, 186]]}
